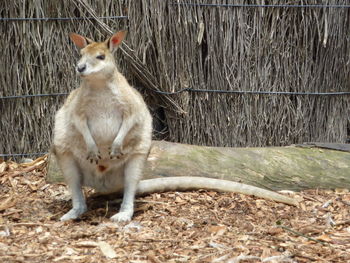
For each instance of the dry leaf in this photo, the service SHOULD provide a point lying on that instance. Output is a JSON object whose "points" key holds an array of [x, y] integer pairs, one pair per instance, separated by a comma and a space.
{"points": [[266, 252], [87, 244], [217, 230], [3, 167], [324, 237], [107, 250], [302, 206], [70, 251], [7, 203], [3, 247], [274, 230], [12, 165], [36, 162], [69, 258]]}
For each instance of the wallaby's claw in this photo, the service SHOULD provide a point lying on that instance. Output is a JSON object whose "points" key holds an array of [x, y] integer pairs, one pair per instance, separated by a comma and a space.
{"points": [[115, 153], [94, 156]]}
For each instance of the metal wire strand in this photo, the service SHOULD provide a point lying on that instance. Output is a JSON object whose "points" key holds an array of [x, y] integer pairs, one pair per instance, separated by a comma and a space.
{"points": [[58, 18], [248, 92], [22, 154], [263, 6]]}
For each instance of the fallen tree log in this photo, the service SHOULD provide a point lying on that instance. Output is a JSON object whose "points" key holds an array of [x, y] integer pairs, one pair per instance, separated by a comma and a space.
{"points": [[273, 168]]}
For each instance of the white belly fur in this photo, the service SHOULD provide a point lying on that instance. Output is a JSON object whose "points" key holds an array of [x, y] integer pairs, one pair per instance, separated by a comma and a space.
{"points": [[104, 128]]}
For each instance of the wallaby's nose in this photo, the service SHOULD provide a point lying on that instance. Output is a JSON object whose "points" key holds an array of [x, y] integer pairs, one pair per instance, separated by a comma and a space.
{"points": [[81, 68]]}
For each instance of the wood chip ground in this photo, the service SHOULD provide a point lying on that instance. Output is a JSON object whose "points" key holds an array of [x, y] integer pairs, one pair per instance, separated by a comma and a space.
{"points": [[199, 226]]}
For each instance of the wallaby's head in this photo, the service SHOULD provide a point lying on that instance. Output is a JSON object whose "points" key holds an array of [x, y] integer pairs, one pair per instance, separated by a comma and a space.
{"points": [[96, 57]]}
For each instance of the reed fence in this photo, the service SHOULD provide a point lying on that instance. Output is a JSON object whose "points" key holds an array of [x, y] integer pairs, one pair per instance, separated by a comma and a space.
{"points": [[253, 73]]}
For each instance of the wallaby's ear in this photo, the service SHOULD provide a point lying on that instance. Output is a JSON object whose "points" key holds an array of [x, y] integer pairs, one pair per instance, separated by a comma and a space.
{"points": [[114, 41], [79, 40]]}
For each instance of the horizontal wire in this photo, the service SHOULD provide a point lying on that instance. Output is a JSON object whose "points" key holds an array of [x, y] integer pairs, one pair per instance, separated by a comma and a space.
{"points": [[257, 92], [251, 92], [33, 95], [185, 4], [23, 154], [58, 18], [256, 5]]}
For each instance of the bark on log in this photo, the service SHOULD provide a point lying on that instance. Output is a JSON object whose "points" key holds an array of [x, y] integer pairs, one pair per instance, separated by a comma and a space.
{"points": [[273, 168]]}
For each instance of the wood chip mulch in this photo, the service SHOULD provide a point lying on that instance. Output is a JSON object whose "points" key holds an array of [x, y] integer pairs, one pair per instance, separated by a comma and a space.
{"points": [[198, 226]]}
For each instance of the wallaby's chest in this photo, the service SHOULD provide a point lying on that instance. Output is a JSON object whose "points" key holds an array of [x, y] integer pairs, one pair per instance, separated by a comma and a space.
{"points": [[104, 117]]}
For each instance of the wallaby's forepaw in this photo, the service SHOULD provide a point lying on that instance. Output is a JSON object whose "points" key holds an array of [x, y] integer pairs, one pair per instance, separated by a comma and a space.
{"points": [[93, 155], [124, 216], [116, 152], [74, 213]]}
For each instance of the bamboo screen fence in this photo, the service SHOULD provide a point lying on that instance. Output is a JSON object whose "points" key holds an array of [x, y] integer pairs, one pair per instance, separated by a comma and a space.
{"points": [[173, 46]]}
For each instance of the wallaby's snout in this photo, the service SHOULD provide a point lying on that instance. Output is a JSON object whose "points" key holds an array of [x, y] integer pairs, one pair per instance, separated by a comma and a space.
{"points": [[81, 68]]}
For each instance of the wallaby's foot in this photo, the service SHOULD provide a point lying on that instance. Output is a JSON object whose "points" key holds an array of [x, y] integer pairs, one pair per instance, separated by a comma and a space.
{"points": [[116, 152], [123, 216], [93, 155], [74, 213]]}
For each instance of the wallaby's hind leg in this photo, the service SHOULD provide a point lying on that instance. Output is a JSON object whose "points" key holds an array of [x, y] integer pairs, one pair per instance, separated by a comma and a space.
{"points": [[132, 174], [73, 178]]}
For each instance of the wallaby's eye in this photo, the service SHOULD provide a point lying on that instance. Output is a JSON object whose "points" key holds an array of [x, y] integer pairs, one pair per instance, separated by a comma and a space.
{"points": [[101, 57]]}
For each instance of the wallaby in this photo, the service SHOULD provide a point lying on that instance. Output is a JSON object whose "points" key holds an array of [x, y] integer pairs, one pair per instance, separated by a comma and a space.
{"points": [[103, 132]]}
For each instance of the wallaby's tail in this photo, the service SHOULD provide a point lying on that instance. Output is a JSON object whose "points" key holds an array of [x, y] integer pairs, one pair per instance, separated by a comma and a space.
{"points": [[192, 183]]}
